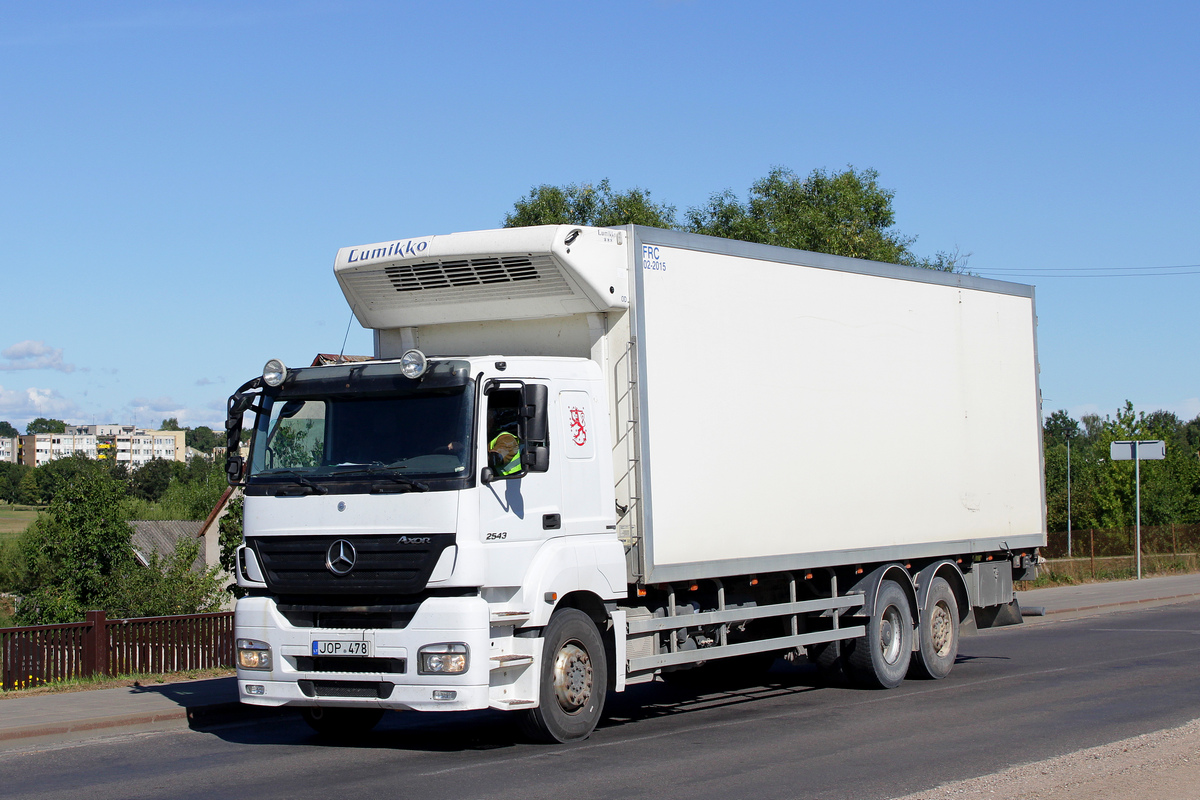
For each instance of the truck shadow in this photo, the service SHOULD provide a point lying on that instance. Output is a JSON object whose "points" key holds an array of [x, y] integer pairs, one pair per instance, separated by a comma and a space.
{"points": [[492, 730]]}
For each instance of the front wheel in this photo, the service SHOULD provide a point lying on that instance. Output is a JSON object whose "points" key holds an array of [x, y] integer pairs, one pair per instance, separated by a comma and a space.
{"points": [[881, 658], [574, 680]]}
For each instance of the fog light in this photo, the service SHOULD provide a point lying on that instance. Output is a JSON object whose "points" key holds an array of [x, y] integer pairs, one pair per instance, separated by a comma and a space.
{"points": [[255, 688], [445, 694], [253, 654], [443, 659]]}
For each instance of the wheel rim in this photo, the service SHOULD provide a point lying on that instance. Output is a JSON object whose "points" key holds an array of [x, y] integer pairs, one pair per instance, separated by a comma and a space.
{"points": [[572, 677], [889, 634], [941, 629]]}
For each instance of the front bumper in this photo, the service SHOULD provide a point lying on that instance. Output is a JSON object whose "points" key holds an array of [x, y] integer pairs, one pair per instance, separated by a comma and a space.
{"points": [[438, 620]]}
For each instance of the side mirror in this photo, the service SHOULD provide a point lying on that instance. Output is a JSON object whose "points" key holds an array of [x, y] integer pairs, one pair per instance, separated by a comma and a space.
{"points": [[533, 415], [234, 466], [535, 424]]}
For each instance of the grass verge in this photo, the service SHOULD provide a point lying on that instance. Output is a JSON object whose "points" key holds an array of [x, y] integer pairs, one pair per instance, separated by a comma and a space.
{"points": [[117, 681], [1077, 571], [15, 519]]}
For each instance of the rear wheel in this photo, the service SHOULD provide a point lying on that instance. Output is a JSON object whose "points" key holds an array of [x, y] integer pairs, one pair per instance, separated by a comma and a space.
{"points": [[342, 721], [574, 680], [880, 659], [937, 632]]}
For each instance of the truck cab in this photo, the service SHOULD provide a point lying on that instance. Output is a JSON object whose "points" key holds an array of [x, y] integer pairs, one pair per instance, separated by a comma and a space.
{"points": [[404, 516]]}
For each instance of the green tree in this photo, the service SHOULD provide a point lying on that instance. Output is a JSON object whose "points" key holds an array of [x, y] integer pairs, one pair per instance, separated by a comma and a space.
{"points": [[587, 204], [28, 492], [72, 550], [231, 533], [204, 439], [843, 213], [43, 425], [166, 586], [1060, 427], [10, 479], [55, 474], [7, 431], [1103, 491], [191, 499], [170, 424], [151, 480]]}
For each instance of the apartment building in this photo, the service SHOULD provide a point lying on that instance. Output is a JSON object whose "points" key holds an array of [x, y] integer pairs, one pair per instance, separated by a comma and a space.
{"points": [[10, 449], [139, 446], [40, 448], [125, 444]]}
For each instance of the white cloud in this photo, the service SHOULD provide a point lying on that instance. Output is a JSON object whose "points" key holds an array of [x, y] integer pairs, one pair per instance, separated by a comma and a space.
{"points": [[34, 355], [148, 412], [157, 405], [18, 406]]}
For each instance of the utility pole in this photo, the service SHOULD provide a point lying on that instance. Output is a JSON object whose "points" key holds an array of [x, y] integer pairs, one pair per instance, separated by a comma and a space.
{"points": [[1068, 495]]}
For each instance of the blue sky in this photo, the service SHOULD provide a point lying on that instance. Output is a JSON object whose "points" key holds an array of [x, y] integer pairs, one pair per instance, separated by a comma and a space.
{"points": [[177, 177]]}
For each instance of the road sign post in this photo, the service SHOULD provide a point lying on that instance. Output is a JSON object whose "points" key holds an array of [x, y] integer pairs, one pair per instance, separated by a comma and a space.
{"points": [[1137, 452]]}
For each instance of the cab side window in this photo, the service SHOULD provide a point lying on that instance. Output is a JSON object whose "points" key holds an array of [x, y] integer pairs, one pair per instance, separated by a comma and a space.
{"points": [[505, 448]]}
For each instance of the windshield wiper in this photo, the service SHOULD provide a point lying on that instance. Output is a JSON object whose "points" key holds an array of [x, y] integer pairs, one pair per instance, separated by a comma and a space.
{"points": [[386, 471], [415, 486], [312, 488]]}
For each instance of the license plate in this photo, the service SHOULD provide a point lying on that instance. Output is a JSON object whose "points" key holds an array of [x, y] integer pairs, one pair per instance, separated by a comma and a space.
{"points": [[339, 648]]}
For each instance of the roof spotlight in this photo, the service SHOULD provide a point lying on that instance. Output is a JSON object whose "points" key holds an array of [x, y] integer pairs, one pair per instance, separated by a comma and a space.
{"points": [[274, 372], [413, 364]]}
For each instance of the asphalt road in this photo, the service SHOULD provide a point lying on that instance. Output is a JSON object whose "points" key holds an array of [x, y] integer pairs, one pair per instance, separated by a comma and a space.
{"points": [[1016, 695]]}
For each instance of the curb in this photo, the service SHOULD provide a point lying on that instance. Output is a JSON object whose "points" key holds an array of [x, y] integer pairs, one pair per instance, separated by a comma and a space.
{"points": [[196, 718], [93, 724], [1098, 606]]}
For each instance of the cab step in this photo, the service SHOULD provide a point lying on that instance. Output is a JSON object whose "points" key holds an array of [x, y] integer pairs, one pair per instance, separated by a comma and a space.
{"points": [[511, 660], [518, 703]]}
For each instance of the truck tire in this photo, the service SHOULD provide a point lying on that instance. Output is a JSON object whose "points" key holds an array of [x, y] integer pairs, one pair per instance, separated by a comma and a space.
{"points": [[574, 680], [341, 721], [824, 656], [937, 633], [880, 659]]}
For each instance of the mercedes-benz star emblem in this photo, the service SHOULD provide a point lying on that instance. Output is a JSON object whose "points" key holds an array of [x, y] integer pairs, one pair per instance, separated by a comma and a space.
{"points": [[340, 557]]}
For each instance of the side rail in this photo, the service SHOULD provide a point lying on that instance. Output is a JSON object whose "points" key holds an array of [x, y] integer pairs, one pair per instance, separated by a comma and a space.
{"points": [[833, 607]]}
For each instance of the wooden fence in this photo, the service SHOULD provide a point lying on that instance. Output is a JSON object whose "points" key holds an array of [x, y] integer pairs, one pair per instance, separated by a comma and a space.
{"points": [[41, 654], [1097, 543]]}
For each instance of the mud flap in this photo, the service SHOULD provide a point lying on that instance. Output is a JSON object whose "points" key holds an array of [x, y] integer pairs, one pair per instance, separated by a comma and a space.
{"points": [[998, 616]]}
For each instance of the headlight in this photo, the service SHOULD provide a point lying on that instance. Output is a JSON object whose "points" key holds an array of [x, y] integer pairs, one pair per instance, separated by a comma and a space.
{"points": [[253, 654], [274, 372], [443, 659], [413, 364]]}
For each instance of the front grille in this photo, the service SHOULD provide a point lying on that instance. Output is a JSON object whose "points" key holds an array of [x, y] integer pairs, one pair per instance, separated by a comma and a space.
{"points": [[349, 664], [379, 689], [357, 617], [384, 564]]}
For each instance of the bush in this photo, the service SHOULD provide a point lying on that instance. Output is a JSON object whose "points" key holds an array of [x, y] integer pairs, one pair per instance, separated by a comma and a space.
{"points": [[166, 586]]}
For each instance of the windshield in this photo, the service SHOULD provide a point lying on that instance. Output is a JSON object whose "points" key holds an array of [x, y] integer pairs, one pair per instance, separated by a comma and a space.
{"points": [[415, 435]]}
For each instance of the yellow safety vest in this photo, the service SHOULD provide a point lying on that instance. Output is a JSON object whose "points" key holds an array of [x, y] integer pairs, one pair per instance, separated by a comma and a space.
{"points": [[514, 464]]}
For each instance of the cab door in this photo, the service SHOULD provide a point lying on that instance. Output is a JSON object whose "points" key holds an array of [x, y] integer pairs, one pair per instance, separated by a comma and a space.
{"points": [[518, 510]]}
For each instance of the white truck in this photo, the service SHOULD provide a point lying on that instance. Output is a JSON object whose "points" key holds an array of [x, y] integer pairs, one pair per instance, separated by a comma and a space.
{"points": [[581, 458]]}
